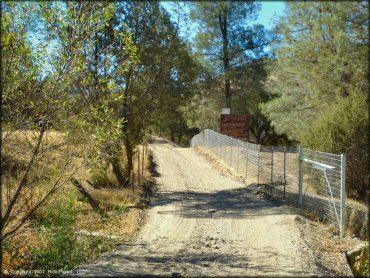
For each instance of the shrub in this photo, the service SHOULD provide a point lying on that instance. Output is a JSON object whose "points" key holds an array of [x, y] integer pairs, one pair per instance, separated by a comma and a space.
{"points": [[57, 230], [343, 128]]}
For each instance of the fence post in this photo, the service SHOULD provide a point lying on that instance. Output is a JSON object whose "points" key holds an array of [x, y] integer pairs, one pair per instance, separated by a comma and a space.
{"points": [[138, 165], [300, 176], [272, 166], [342, 194], [246, 163], [258, 164], [284, 170]]}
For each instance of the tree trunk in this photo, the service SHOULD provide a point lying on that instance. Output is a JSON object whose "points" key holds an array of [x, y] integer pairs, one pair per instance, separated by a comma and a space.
{"points": [[129, 154], [180, 137], [142, 161], [172, 135], [125, 116], [118, 172], [226, 58], [228, 93]]}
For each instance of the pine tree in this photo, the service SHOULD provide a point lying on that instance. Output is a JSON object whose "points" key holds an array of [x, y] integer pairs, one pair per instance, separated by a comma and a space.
{"points": [[228, 38]]}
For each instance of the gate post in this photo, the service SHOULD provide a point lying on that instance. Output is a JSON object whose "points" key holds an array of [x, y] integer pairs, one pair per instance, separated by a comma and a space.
{"points": [[342, 194], [300, 176]]}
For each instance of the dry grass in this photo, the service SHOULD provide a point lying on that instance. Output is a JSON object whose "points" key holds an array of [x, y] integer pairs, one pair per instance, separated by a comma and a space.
{"points": [[56, 152], [327, 246], [57, 159], [17, 251], [119, 223], [124, 196], [124, 222], [225, 169]]}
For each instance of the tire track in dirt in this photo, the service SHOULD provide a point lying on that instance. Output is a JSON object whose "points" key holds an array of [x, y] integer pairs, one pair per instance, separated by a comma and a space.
{"points": [[205, 224]]}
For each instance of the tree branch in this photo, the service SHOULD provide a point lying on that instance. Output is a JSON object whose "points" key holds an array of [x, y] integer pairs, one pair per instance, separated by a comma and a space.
{"points": [[251, 48]]}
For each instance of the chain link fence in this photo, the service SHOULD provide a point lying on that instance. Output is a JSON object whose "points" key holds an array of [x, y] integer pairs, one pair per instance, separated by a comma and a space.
{"points": [[312, 179]]}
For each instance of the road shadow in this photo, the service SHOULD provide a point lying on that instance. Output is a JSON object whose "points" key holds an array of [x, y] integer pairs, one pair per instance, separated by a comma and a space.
{"points": [[145, 262], [232, 203]]}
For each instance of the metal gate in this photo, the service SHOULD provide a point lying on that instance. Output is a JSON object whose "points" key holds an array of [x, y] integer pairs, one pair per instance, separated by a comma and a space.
{"points": [[322, 175]]}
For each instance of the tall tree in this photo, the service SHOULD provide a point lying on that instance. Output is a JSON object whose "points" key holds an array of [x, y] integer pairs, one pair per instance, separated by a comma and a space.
{"points": [[320, 82], [162, 77], [228, 38], [320, 57], [106, 55]]}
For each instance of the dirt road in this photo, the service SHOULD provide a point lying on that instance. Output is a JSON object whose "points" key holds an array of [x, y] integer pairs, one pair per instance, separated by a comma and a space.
{"points": [[206, 224]]}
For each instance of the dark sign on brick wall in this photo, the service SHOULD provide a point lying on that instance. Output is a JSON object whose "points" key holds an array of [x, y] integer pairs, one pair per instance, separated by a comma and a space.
{"points": [[236, 126]]}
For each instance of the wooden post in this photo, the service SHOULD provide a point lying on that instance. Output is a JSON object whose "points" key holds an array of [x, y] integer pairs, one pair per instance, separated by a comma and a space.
{"points": [[132, 173], [143, 161], [138, 165]]}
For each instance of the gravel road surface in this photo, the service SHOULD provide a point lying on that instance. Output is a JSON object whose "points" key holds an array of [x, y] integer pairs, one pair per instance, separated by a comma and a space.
{"points": [[203, 223]]}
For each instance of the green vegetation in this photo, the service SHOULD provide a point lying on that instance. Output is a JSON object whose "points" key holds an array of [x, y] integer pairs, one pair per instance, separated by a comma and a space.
{"points": [[320, 85], [56, 230], [230, 46], [85, 85]]}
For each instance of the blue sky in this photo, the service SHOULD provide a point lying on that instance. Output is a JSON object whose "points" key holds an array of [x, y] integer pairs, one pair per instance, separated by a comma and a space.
{"points": [[269, 11]]}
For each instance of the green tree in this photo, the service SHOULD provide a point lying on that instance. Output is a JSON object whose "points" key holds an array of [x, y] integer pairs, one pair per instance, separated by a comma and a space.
{"points": [[30, 104], [320, 81], [36, 97], [162, 79], [321, 55], [228, 38], [98, 87]]}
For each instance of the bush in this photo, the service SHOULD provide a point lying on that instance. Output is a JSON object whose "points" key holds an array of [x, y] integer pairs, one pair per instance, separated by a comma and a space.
{"points": [[57, 230], [343, 128], [61, 248]]}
